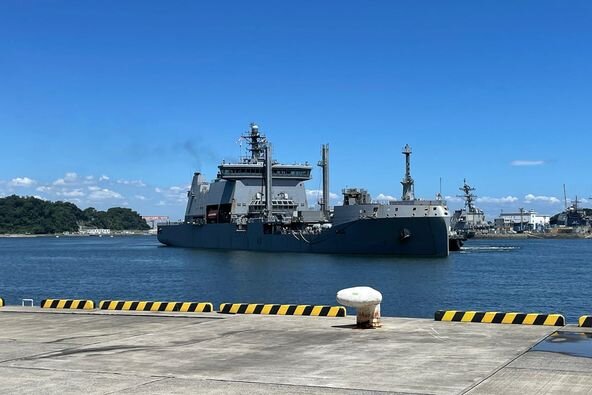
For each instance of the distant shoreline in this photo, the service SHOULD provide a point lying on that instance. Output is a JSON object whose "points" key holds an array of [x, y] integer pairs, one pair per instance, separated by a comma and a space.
{"points": [[546, 236], [19, 235]]}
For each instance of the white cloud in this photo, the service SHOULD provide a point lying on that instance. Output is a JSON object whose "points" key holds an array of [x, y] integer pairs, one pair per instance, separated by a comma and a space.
{"points": [[22, 182], [94, 188], [382, 196], [69, 178], [157, 190], [314, 193], [102, 194], [527, 162], [137, 183], [43, 188], [39, 197], [500, 200], [89, 178], [161, 203], [103, 178], [545, 199], [71, 193], [453, 199], [140, 197]]}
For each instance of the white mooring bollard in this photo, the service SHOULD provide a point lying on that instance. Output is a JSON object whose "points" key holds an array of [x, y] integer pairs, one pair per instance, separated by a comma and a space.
{"points": [[367, 302]]}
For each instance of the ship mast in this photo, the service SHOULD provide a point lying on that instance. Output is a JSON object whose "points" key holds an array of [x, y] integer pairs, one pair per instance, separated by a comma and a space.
{"points": [[468, 196], [256, 142], [268, 183], [324, 164], [407, 181]]}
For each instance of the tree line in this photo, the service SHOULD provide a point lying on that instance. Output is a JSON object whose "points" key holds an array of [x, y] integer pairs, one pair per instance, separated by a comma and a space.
{"points": [[30, 215]]}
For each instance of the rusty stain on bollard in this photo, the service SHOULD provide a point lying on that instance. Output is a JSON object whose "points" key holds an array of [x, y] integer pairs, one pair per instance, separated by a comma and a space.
{"points": [[366, 301]]}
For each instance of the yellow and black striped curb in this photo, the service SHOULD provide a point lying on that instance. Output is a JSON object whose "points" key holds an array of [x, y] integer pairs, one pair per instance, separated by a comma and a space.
{"points": [[1, 302], [585, 321], [184, 307], [493, 317], [67, 304], [282, 309]]}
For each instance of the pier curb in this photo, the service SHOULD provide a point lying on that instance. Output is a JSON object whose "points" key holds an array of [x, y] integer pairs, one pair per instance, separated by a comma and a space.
{"points": [[132, 305], [585, 321], [76, 304], [494, 317], [282, 309]]}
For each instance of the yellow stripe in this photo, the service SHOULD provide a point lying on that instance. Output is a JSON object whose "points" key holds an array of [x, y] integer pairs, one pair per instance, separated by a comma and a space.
{"points": [[299, 310], [334, 311], [448, 315], [185, 307], [234, 308], [316, 310], [581, 320], [89, 305], [509, 318], [155, 306], [61, 304], [529, 320], [283, 309], [468, 316], [127, 305], [266, 309], [250, 308], [552, 319], [170, 306], [489, 316]]}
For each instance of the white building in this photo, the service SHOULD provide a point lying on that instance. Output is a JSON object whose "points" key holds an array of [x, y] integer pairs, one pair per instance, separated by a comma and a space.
{"points": [[525, 220]]}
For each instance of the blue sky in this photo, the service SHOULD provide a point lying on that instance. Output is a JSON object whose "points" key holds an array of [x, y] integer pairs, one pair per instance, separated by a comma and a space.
{"points": [[116, 103]]}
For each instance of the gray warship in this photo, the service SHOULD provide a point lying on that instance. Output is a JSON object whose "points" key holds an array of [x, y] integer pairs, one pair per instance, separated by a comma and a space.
{"points": [[259, 204]]}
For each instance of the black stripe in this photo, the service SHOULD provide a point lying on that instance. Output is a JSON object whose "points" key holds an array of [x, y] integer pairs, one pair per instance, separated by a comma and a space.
{"points": [[342, 312], [478, 317], [134, 305], [226, 308], [519, 319], [43, 302], [68, 304], [291, 310], [193, 307], [307, 310], [54, 304], [119, 305], [258, 309], [274, 309], [560, 321], [242, 308], [178, 306], [163, 306], [148, 306], [540, 319], [458, 316], [325, 311], [587, 322], [104, 304], [498, 318], [207, 308], [438, 315]]}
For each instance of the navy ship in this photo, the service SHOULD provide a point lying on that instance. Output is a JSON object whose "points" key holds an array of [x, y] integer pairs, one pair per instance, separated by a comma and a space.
{"points": [[259, 204]]}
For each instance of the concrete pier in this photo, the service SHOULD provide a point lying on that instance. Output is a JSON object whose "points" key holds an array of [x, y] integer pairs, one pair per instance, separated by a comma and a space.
{"points": [[104, 352]]}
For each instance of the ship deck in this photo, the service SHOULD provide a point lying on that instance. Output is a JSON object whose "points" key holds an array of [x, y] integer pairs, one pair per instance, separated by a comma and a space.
{"points": [[47, 351]]}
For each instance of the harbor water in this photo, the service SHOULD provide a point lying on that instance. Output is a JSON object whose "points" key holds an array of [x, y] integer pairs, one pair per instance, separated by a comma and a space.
{"points": [[495, 275]]}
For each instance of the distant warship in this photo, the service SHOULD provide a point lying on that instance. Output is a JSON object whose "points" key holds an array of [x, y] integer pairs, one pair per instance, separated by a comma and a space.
{"points": [[259, 204], [469, 219]]}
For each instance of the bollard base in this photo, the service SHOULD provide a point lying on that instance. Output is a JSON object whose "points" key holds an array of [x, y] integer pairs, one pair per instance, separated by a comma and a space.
{"points": [[368, 317]]}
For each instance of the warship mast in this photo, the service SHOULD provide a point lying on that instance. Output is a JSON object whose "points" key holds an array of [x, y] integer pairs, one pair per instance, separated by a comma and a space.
{"points": [[324, 164], [407, 181]]}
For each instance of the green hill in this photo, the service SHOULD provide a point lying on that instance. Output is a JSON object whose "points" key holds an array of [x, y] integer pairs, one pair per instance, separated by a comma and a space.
{"points": [[35, 216]]}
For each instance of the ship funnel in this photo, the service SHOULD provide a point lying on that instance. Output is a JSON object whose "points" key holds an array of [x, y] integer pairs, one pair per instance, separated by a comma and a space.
{"points": [[195, 182], [268, 183], [324, 164]]}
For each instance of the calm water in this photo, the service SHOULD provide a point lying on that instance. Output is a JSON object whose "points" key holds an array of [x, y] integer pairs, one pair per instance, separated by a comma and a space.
{"points": [[518, 275]]}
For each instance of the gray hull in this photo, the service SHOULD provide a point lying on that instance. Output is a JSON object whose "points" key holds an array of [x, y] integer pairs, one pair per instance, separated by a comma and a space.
{"points": [[383, 236]]}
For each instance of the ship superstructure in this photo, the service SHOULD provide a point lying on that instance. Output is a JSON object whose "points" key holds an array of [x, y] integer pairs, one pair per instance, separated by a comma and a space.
{"points": [[260, 204], [469, 219]]}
